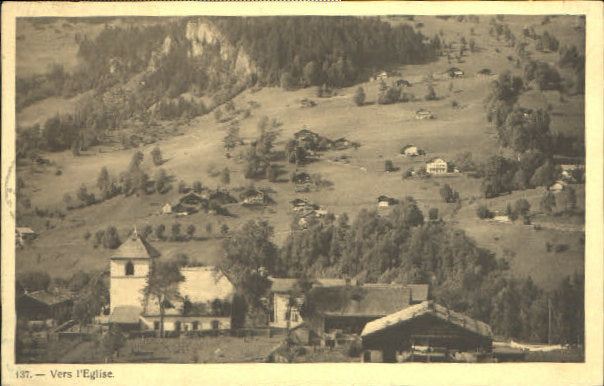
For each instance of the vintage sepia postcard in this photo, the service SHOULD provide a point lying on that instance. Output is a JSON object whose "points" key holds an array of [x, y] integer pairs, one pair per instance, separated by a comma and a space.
{"points": [[359, 193]]}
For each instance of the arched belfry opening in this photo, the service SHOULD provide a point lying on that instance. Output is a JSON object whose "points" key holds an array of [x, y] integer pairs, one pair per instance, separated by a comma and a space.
{"points": [[129, 268]]}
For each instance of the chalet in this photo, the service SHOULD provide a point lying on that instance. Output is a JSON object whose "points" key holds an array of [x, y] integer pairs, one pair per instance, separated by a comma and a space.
{"points": [[455, 72], [221, 197], [24, 234], [348, 308], [558, 186], [381, 76], [253, 196], [569, 172], [385, 201], [305, 102], [192, 199], [424, 114], [300, 205], [286, 309], [184, 210], [412, 151], [402, 83], [53, 309], [426, 332], [301, 178], [437, 166], [166, 209], [341, 144]]}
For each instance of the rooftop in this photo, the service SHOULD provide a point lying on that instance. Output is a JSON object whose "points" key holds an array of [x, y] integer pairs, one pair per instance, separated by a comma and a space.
{"points": [[427, 308], [135, 247]]}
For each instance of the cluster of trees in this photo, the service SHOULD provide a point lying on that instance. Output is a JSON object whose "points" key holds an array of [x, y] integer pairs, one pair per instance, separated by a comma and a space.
{"points": [[503, 175], [524, 131], [401, 248], [333, 51], [448, 194], [563, 202], [570, 57], [179, 108], [545, 76], [108, 238], [260, 152]]}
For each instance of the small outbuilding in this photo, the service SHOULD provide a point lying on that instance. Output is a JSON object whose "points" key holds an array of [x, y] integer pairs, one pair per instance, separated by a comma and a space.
{"points": [[24, 234], [412, 151], [558, 186], [167, 209]]}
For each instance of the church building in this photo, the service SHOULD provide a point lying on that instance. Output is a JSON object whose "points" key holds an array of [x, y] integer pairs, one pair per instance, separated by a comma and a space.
{"points": [[204, 300]]}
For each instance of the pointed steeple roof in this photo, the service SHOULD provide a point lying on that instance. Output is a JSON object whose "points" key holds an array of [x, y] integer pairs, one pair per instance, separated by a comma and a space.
{"points": [[136, 247]]}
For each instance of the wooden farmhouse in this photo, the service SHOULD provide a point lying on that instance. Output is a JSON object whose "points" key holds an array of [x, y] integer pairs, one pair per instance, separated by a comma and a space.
{"points": [[43, 306], [426, 332]]}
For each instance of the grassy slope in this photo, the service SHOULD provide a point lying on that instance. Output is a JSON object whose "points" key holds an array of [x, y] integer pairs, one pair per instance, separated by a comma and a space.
{"points": [[382, 131]]}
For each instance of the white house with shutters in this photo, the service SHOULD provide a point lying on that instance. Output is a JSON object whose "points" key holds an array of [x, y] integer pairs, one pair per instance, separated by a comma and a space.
{"points": [[437, 166]]}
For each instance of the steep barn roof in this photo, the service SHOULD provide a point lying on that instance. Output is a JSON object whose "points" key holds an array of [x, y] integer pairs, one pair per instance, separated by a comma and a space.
{"points": [[425, 308], [47, 298], [136, 247], [375, 300]]}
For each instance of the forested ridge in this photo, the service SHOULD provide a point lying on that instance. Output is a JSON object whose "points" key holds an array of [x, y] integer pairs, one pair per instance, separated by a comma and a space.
{"points": [[311, 50], [331, 51]]}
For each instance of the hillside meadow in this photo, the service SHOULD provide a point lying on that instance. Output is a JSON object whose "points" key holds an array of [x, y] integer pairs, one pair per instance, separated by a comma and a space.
{"points": [[381, 130]]}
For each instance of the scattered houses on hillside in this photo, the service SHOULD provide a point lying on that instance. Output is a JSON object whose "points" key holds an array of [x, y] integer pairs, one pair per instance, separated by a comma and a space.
{"points": [[426, 332], [437, 166], [412, 151]]}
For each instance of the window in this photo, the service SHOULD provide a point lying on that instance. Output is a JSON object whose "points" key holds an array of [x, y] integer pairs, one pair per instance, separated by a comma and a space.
{"points": [[156, 325], [215, 324], [195, 325], [294, 315], [129, 268], [177, 326]]}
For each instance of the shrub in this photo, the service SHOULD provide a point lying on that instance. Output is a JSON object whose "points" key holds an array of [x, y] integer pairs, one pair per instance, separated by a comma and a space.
{"points": [[433, 214], [431, 95], [483, 212], [388, 166], [359, 97], [448, 194], [156, 156]]}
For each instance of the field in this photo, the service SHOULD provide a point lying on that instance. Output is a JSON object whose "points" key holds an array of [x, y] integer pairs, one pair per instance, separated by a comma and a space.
{"points": [[382, 130]]}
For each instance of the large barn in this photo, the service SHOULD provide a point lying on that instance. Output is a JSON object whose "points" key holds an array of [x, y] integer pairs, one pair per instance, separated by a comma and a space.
{"points": [[426, 332]]}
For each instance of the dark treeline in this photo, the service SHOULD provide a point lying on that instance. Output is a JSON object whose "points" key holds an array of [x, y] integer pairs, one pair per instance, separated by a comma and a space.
{"points": [[403, 248], [305, 51]]}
